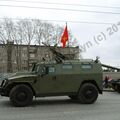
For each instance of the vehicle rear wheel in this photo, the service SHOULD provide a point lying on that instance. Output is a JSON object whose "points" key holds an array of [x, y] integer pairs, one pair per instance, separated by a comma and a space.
{"points": [[88, 93], [21, 95]]}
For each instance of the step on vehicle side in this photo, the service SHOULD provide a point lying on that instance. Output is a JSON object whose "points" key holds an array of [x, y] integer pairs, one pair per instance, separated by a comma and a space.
{"points": [[81, 80]]}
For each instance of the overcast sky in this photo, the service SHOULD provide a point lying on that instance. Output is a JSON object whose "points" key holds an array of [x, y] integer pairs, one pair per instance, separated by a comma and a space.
{"points": [[94, 39]]}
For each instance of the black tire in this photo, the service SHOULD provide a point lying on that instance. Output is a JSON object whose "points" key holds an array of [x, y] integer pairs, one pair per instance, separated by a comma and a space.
{"points": [[114, 87], [73, 97], [21, 95], [87, 94], [118, 88]]}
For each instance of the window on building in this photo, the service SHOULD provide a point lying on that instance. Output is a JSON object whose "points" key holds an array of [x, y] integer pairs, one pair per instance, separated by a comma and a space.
{"points": [[24, 54], [25, 61], [24, 48], [25, 68], [32, 55]]}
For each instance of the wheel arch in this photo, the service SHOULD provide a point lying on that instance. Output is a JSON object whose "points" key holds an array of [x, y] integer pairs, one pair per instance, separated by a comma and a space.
{"points": [[9, 87], [92, 82]]}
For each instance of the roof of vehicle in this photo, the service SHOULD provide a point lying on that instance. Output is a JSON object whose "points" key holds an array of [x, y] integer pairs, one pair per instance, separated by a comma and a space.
{"points": [[76, 61]]}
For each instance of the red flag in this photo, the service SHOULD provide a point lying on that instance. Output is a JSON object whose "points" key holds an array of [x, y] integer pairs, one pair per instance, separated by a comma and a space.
{"points": [[64, 37]]}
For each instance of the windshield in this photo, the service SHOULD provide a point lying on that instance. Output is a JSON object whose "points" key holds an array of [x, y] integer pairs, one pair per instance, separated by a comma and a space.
{"points": [[36, 68]]}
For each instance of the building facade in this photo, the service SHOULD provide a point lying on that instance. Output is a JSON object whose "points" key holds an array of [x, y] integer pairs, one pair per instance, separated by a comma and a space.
{"points": [[15, 58]]}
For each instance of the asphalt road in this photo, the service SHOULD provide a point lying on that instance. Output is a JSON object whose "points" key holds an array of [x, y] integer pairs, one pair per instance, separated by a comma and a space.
{"points": [[107, 107]]}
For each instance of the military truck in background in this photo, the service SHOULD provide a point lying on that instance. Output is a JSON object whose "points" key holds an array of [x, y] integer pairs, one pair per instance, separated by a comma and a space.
{"points": [[115, 84], [113, 74], [81, 80]]}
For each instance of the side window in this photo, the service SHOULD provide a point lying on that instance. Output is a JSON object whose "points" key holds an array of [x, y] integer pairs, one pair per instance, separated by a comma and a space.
{"points": [[43, 70], [51, 69], [86, 66], [67, 66], [37, 68]]}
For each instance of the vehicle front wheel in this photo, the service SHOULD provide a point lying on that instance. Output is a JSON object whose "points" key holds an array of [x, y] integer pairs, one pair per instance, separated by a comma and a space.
{"points": [[21, 95], [88, 93]]}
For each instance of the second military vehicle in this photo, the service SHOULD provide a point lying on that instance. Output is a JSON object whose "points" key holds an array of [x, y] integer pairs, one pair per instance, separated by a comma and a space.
{"points": [[113, 77], [81, 80], [115, 84]]}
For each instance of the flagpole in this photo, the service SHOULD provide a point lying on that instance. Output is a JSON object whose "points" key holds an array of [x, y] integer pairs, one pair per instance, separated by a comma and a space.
{"points": [[68, 45], [68, 32]]}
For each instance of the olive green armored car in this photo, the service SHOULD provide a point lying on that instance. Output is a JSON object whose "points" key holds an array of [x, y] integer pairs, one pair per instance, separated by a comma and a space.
{"points": [[81, 80]]}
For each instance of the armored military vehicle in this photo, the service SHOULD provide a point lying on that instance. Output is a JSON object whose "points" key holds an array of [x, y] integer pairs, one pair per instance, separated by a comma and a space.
{"points": [[81, 80]]}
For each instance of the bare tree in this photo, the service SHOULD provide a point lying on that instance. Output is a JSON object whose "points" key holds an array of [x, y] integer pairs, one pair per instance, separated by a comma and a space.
{"points": [[72, 42], [7, 37], [28, 32], [11, 32], [56, 38], [6, 28], [47, 33], [18, 41], [38, 31]]}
